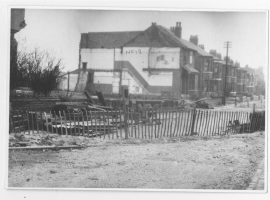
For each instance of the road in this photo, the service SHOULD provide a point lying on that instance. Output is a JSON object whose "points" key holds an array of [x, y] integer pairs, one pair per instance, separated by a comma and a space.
{"points": [[227, 162]]}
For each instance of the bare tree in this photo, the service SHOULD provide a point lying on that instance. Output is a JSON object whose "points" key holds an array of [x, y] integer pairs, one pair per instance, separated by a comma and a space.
{"points": [[39, 71]]}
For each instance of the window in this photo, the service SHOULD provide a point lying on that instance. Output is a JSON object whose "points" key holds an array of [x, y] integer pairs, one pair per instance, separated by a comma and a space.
{"points": [[190, 57], [84, 65], [206, 65]]}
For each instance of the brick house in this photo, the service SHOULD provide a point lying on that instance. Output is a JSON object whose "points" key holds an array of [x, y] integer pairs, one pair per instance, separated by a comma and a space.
{"points": [[203, 62], [217, 82], [241, 82], [250, 80]]}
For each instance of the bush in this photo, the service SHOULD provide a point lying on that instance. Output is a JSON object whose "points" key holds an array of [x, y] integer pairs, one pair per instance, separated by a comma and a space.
{"points": [[39, 71]]}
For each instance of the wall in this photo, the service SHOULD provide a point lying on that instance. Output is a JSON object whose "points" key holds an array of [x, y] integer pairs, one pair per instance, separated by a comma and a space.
{"points": [[143, 57], [140, 58], [63, 85], [107, 78], [164, 58], [82, 81], [98, 58], [134, 86]]}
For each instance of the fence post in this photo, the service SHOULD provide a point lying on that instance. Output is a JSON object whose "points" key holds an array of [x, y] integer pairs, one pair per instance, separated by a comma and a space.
{"points": [[193, 121], [254, 106], [47, 125], [126, 120]]}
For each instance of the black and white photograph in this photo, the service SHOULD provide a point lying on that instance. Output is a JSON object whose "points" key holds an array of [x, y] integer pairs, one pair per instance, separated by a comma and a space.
{"points": [[137, 99]]}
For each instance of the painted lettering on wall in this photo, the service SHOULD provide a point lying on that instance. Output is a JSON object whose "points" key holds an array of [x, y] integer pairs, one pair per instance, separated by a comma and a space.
{"points": [[133, 51]]}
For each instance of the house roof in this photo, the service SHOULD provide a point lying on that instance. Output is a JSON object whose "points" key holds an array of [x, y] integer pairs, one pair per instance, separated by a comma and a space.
{"points": [[106, 39], [153, 36], [159, 36], [196, 48]]}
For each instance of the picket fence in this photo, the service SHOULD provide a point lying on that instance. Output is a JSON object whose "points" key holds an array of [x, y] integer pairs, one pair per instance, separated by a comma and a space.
{"points": [[147, 124]]}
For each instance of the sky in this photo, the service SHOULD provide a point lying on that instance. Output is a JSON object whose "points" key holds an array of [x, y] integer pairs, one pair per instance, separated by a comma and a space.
{"points": [[58, 31]]}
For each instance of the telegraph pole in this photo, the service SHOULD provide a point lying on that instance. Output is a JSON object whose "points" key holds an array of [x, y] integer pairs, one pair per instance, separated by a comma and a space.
{"points": [[227, 46]]}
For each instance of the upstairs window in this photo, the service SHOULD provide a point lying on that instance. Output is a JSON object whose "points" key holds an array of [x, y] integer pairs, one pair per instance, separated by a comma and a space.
{"points": [[206, 65], [190, 57]]}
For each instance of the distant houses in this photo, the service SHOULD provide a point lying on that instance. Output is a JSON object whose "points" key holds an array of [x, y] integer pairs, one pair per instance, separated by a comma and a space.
{"points": [[156, 61]]}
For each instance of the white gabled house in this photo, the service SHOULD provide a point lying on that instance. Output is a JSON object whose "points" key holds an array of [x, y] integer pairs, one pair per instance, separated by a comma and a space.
{"points": [[154, 61]]}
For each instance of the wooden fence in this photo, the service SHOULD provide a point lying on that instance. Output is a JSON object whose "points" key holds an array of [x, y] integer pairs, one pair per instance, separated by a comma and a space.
{"points": [[147, 124]]}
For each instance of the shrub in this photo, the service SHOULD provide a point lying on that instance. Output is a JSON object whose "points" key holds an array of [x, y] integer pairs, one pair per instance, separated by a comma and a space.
{"points": [[39, 71]]}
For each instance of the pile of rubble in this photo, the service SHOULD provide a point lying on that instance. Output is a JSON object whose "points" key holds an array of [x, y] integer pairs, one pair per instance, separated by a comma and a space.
{"points": [[44, 139]]}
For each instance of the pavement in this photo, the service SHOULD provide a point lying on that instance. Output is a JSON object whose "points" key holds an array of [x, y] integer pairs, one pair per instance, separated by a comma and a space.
{"points": [[257, 182]]}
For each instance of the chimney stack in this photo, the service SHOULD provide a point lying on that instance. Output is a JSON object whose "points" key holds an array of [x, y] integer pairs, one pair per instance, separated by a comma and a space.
{"points": [[177, 30], [194, 39]]}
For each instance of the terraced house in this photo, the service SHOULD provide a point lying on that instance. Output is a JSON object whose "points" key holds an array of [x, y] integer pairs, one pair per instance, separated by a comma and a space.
{"points": [[203, 62], [218, 71], [250, 78]]}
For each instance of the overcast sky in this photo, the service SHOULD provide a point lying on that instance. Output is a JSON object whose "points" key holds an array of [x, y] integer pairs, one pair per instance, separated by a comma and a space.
{"points": [[58, 31]]}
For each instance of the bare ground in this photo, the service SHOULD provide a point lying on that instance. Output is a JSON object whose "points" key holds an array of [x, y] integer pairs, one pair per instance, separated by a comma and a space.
{"points": [[187, 163]]}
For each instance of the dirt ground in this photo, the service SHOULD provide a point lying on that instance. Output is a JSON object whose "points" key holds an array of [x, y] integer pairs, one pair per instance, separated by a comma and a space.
{"points": [[227, 162]]}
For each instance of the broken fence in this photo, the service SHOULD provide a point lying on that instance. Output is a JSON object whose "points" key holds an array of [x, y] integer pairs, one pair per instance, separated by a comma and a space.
{"points": [[147, 124]]}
